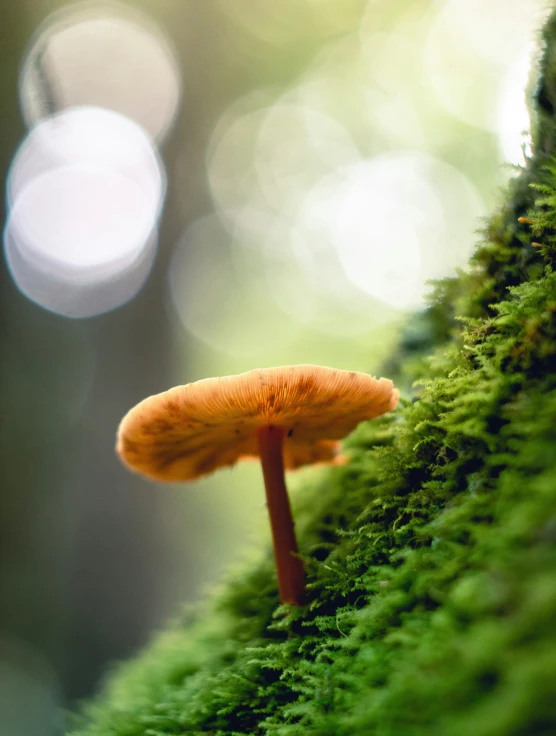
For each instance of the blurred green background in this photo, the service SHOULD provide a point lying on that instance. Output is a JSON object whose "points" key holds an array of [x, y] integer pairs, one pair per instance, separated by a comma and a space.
{"points": [[326, 159]]}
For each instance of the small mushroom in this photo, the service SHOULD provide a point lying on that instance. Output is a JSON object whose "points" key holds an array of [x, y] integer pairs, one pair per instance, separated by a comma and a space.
{"points": [[288, 417]]}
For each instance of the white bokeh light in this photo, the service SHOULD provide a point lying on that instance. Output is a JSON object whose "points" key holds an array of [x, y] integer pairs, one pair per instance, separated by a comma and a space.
{"points": [[264, 157], [80, 240], [295, 147], [340, 239], [498, 28], [306, 281], [222, 299], [105, 54], [385, 261], [90, 136], [396, 95], [470, 47], [86, 189], [390, 223], [514, 121], [232, 175]]}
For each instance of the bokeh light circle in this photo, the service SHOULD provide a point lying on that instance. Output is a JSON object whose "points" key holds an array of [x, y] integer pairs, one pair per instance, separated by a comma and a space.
{"points": [[90, 136], [80, 240], [232, 176], [295, 147], [389, 223], [514, 122], [105, 54], [263, 157], [470, 47], [216, 294]]}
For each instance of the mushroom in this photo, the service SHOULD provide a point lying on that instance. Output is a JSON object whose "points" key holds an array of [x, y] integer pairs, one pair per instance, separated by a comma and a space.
{"points": [[288, 417]]}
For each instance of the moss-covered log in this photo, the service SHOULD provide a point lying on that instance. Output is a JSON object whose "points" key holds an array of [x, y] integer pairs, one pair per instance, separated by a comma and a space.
{"points": [[431, 555]]}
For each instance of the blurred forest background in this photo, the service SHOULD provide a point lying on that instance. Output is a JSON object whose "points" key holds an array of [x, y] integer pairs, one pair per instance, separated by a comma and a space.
{"points": [[321, 160]]}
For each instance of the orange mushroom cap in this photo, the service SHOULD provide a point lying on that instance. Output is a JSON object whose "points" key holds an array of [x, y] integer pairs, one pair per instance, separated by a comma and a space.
{"points": [[191, 430]]}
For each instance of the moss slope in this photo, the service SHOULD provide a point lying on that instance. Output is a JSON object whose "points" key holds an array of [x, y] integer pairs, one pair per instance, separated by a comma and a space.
{"points": [[431, 555]]}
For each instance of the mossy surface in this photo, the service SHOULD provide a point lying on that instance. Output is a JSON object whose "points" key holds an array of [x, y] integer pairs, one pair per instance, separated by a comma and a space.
{"points": [[431, 555]]}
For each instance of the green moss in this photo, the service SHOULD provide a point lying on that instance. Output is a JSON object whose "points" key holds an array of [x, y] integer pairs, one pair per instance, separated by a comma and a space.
{"points": [[431, 555]]}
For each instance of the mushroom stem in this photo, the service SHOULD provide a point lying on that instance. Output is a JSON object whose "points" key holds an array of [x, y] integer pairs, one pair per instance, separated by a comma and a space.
{"points": [[289, 567]]}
